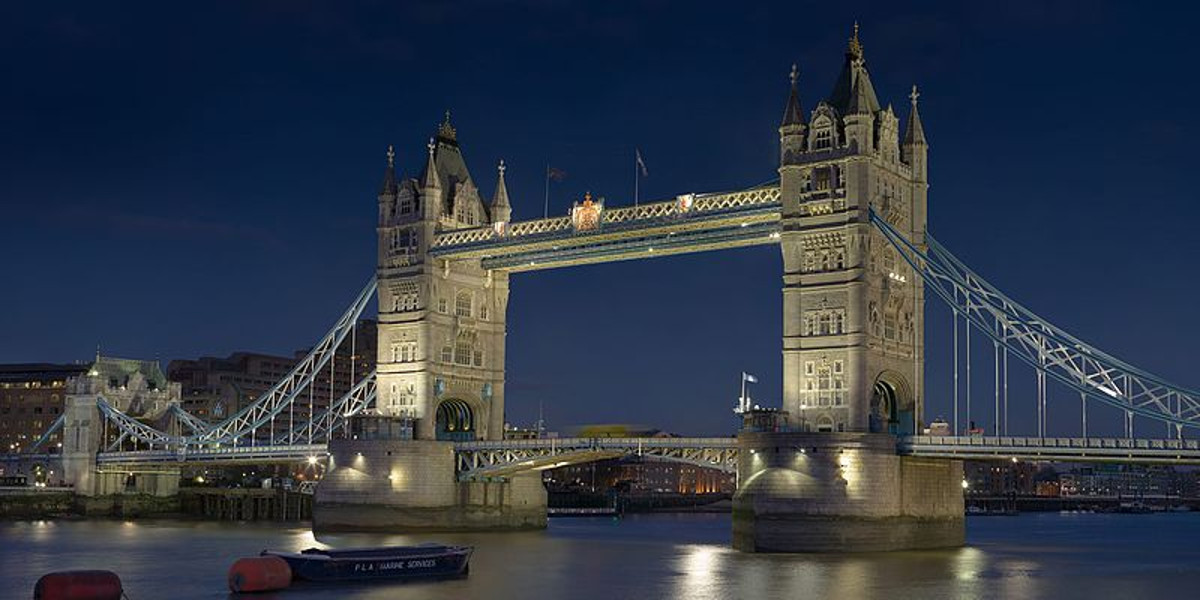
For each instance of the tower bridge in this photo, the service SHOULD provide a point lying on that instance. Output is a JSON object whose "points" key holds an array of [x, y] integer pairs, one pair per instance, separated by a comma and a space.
{"points": [[847, 464]]}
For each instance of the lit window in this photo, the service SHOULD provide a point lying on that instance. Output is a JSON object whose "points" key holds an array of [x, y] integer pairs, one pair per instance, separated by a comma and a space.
{"points": [[462, 352], [462, 304]]}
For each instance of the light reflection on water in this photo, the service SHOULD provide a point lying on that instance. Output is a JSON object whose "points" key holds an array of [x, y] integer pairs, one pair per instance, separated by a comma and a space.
{"points": [[643, 556]]}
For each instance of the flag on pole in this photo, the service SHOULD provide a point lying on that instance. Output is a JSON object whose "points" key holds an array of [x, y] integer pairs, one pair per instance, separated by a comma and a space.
{"points": [[641, 163], [749, 378], [555, 174]]}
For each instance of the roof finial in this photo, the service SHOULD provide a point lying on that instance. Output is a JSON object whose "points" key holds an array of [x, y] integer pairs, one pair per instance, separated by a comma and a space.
{"points": [[501, 167], [914, 95], [446, 130], [431, 145], [794, 75], [391, 155], [855, 47]]}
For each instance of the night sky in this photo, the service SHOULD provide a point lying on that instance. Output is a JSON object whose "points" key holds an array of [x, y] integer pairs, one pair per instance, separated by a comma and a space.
{"points": [[193, 180]]}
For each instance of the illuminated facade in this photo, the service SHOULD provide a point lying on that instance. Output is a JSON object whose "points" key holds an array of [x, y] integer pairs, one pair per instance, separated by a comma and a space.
{"points": [[853, 339], [441, 323]]}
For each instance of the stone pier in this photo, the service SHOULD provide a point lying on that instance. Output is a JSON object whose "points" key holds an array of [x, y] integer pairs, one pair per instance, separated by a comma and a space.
{"points": [[410, 486], [842, 492]]}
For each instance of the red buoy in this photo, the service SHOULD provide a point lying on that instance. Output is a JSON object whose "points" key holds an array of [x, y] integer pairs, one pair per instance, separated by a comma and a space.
{"points": [[78, 585], [259, 574]]}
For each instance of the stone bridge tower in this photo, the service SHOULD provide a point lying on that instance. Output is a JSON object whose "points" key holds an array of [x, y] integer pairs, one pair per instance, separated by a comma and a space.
{"points": [[853, 322], [441, 324]]}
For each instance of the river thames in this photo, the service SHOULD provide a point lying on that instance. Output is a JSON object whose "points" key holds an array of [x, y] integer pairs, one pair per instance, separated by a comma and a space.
{"points": [[645, 556]]}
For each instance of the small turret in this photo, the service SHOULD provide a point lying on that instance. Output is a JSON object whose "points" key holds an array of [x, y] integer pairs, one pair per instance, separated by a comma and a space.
{"points": [[791, 130], [501, 210], [915, 149], [387, 190], [431, 185]]}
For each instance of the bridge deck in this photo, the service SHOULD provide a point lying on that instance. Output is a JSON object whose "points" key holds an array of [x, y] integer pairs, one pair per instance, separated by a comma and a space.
{"points": [[507, 457], [690, 223], [1053, 449]]}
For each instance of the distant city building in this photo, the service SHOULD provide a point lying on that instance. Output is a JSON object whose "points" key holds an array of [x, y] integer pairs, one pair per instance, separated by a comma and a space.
{"points": [[641, 475], [31, 398], [215, 388], [1127, 481], [994, 478]]}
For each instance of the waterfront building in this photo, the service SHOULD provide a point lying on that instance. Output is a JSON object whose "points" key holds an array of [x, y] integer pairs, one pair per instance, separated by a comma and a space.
{"points": [[31, 398], [640, 475], [991, 478], [1123, 481]]}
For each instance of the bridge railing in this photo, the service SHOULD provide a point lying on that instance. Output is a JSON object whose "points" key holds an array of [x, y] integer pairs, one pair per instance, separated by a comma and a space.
{"points": [[682, 206]]}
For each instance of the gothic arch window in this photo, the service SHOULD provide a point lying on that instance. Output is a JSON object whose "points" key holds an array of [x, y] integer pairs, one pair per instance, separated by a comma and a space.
{"points": [[462, 304], [447, 354], [822, 133], [483, 312]]}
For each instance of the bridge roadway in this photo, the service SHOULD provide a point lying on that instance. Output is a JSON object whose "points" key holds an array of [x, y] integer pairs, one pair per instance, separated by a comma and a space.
{"points": [[499, 458]]}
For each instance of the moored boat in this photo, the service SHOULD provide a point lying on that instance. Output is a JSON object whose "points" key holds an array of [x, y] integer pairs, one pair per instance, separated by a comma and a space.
{"points": [[388, 562]]}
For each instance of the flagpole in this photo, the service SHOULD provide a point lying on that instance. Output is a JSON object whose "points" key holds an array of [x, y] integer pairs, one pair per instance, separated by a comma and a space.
{"points": [[743, 399], [546, 202], [635, 178]]}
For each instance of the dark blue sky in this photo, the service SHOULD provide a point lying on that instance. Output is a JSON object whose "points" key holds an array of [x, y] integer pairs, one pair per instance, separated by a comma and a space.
{"points": [[179, 181]]}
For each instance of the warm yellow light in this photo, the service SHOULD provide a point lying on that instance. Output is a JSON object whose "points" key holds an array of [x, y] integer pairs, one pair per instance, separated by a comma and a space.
{"points": [[312, 460], [965, 484]]}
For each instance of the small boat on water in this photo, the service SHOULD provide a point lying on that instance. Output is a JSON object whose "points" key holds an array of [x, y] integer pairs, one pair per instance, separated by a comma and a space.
{"points": [[389, 562]]}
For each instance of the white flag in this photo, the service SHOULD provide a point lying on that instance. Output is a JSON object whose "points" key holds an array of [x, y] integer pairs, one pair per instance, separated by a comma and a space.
{"points": [[641, 163], [749, 378]]}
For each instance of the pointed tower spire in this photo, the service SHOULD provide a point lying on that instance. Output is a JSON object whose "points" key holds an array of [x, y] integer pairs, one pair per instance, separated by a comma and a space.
{"points": [[914, 133], [501, 210], [389, 175], [430, 178], [793, 114], [853, 92]]}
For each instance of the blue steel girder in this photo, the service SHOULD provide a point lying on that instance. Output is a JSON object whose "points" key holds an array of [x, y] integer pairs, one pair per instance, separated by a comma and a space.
{"points": [[268, 406], [1090, 449], [690, 223], [510, 457], [282, 394], [1037, 342], [216, 455], [323, 424]]}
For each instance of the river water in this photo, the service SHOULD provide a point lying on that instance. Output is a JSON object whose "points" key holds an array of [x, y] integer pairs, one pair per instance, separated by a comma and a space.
{"points": [[646, 556]]}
